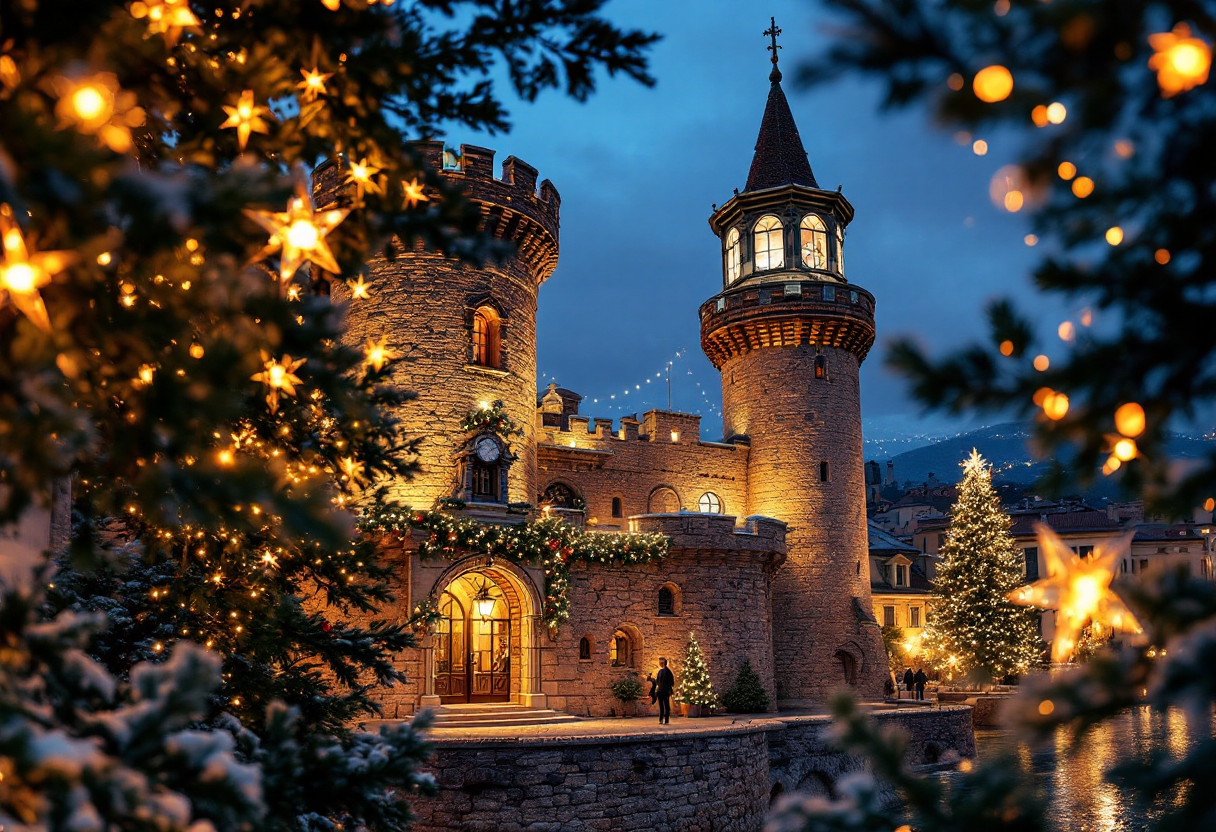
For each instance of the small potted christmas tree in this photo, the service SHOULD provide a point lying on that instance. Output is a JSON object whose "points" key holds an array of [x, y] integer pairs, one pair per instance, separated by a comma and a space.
{"points": [[696, 691], [747, 694]]}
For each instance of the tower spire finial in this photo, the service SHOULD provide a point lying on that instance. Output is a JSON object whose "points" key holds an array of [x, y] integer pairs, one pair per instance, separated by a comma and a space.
{"points": [[772, 32]]}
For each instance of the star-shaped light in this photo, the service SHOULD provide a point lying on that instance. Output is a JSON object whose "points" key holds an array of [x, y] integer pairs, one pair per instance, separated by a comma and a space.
{"points": [[358, 288], [165, 17], [313, 83], [269, 560], [1181, 61], [974, 464], [1078, 589], [278, 376], [352, 468], [299, 234], [414, 193], [246, 117], [24, 273], [96, 105], [376, 354], [360, 175]]}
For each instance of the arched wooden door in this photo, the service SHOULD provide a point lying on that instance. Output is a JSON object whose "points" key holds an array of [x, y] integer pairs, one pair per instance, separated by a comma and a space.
{"points": [[472, 653]]}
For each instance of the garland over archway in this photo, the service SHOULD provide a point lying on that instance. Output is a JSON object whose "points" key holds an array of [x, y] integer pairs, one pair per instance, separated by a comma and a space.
{"points": [[550, 544]]}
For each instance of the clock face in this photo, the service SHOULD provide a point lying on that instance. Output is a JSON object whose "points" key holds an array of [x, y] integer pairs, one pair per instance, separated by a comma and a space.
{"points": [[487, 449]]}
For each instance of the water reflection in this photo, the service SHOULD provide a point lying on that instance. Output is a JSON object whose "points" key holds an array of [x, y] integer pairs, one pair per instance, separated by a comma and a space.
{"points": [[1073, 785]]}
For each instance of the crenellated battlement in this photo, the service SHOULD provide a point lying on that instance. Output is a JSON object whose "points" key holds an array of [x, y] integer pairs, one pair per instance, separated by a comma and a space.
{"points": [[515, 209]]}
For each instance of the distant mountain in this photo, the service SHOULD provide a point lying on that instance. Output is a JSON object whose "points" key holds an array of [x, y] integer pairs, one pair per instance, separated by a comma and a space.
{"points": [[1007, 447]]}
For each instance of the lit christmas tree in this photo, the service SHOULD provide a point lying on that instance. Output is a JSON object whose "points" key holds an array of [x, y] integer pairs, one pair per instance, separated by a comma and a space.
{"points": [[974, 627], [695, 687], [168, 341]]}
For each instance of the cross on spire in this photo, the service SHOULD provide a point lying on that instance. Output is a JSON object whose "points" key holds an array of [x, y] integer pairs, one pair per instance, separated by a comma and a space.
{"points": [[772, 32]]}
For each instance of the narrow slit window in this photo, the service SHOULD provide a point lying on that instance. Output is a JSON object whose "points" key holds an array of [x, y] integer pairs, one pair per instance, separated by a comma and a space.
{"points": [[821, 366], [825, 471], [667, 601], [733, 255], [616, 507]]}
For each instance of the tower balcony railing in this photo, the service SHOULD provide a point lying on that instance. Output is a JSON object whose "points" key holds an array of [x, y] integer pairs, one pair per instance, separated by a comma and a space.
{"points": [[830, 298]]}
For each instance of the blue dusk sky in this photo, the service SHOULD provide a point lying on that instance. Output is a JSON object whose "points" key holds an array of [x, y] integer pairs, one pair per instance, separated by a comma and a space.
{"points": [[639, 168]]}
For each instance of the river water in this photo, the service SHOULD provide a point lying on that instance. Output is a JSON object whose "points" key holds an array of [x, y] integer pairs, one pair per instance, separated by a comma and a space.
{"points": [[1077, 795]]}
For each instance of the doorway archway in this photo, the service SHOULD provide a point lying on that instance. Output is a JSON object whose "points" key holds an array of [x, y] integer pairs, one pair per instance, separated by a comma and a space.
{"points": [[485, 645]]}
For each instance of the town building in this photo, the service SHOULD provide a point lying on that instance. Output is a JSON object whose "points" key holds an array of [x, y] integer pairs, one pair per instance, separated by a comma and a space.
{"points": [[768, 530]]}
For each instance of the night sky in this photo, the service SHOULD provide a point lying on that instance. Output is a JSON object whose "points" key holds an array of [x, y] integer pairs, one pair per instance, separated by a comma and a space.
{"points": [[638, 170]]}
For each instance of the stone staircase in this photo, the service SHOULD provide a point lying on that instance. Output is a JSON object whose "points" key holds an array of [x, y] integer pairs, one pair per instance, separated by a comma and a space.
{"points": [[496, 715]]}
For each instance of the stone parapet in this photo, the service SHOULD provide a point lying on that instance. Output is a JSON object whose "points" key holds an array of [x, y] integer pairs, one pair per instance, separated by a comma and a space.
{"points": [[716, 532]]}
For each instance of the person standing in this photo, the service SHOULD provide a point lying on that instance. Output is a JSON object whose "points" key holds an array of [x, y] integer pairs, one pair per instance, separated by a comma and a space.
{"points": [[920, 678], [909, 680], [664, 686]]}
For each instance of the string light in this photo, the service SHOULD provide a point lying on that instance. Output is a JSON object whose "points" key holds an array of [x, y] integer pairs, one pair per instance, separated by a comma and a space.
{"points": [[24, 272], [376, 354], [361, 174], [1114, 235], [246, 118], [359, 290], [1130, 420], [992, 84], [1055, 406], [1082, 187], [97, 106]]}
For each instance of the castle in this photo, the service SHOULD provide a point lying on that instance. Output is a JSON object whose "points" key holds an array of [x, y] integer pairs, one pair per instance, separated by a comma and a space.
{"points": [[768, 549]]}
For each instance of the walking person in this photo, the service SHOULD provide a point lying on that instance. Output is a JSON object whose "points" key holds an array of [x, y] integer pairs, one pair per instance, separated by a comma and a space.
{"points": [[909, 680], [664, 686], [920, 678]]}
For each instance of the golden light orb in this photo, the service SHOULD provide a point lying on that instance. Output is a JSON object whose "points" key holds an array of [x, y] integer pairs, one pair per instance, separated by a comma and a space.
{"points": [[1055, 406], [226, 457], [1041, 395], [1111, 465], [1125, 450], [1039, 116], [1066, 331], [955, 81], [1082, 186], [1124, 149], [1181, 61], [19, 278], [980, 147], [1031, 240], [1130, 420], [196, 351], [1056, 112], [1209, 504], [1014, 201], [90, 103], [104, 259], [1006, 348], [992, 84], [1066, 170], [1162, 256], [1041, 362], [1046, 707], [1114, 235]]}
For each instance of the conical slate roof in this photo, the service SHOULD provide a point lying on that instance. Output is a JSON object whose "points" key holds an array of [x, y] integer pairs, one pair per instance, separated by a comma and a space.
{"points": [[780, 158]]}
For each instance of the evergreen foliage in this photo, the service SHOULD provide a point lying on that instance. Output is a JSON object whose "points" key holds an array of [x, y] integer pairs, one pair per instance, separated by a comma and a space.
{"points": [[193, 380], [974, 627], [892, 639], [747, 695], [695, 687], [626, 689]]}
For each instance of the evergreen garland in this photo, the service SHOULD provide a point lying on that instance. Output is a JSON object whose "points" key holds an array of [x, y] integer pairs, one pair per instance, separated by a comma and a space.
{"points": [[493, 418], [550, 544], [695, 687], [974, 626]]}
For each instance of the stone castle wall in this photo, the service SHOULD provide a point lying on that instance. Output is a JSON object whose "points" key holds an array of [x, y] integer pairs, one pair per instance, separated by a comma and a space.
{"points": [[641, 464], [423, 304], [796, 422], [720, 778]]}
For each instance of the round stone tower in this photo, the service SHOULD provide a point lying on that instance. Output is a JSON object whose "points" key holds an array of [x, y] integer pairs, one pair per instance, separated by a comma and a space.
{"points": [[467, 334], [788, 333]]}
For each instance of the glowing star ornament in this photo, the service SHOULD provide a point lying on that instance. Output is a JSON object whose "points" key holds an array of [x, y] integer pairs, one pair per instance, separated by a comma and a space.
{"points": [[361, 175], [313, 84], [278, 376], [352, 469], [1078, 589], [270, 560], [359, 290], [165, 17], [298, 234], [97, 106], [24, 273], [1181, 61], [414, 193], [376, 354], [246, 117]]}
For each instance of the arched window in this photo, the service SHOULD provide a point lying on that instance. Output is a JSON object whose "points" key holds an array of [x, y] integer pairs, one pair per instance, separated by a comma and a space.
{"points": [[486, 337], [814, 242], [620, 651], [663, 500], [821, 366], [667, 601], [617, 511], [825, 472], [770, 243], [733, 255], [584, 649], [840, 249], [709, 503], [560, 495]]}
